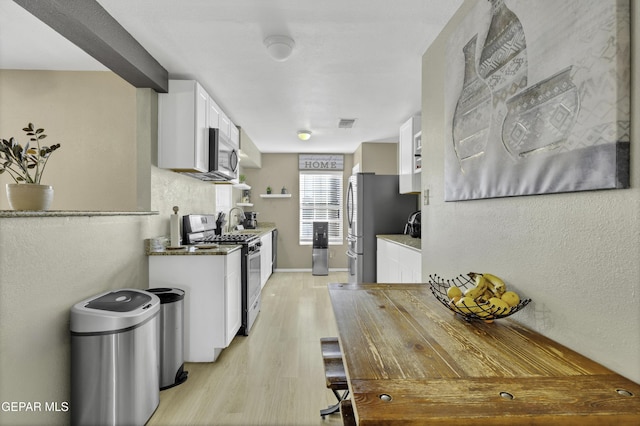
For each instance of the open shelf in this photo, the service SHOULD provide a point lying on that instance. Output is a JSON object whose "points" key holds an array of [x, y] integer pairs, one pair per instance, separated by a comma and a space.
{"points": [[244, 204], [275, 195]]}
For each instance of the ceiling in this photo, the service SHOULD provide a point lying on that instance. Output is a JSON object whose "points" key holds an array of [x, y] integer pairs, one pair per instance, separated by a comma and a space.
{"points": [[353, 59]]}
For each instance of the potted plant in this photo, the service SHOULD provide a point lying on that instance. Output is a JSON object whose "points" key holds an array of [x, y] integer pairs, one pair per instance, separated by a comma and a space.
{"points": [[26, 164], [268, 190]]}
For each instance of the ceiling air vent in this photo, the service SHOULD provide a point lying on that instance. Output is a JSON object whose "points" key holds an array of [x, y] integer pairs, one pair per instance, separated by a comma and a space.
{"points": [[346, 123]]}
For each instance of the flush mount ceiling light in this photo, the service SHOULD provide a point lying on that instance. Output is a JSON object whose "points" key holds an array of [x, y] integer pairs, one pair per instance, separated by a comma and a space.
{"points": [[279, 47], [304, 135]]}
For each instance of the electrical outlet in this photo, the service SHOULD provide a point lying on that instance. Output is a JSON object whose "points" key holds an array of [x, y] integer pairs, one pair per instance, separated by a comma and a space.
{"points": [[330, 254], [425, 197]]}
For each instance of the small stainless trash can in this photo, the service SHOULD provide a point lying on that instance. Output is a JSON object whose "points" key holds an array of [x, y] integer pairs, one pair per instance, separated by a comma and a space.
{"points": [[171, 343], [320, 249], [114, 358]]}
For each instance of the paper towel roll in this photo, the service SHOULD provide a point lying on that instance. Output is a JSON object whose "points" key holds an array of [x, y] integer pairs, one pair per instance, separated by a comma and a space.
{"points": [[175, 230]]}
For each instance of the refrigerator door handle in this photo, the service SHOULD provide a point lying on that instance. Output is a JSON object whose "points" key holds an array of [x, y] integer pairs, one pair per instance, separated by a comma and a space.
{"points": [[351, 254], [350, 205], [351, 239]]}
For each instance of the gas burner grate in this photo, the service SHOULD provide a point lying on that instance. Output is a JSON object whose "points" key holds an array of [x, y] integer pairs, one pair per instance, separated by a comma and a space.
{"points": [[232, 238]]}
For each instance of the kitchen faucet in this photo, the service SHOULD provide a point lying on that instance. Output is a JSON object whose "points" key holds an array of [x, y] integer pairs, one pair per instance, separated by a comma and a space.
{"points": [[231, 217]]}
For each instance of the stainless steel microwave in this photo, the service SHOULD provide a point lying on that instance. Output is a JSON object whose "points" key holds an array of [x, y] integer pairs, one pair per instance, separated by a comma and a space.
{"points": [[223, 159]]}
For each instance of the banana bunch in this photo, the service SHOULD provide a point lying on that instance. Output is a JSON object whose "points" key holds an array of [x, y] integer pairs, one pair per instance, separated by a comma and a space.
{"points": [[487, 299]]}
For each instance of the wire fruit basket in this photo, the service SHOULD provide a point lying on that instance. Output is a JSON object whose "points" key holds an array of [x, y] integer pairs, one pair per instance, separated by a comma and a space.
{"points": [[479, 310]]}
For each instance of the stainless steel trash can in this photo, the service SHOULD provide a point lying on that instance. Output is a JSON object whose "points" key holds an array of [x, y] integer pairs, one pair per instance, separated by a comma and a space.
{"points": [[171, 343], [114, 358], [320, 249]]}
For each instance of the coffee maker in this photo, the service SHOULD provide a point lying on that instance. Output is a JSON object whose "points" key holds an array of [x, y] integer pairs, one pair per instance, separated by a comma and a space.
{"points": [[413, 225], [250, 220]]}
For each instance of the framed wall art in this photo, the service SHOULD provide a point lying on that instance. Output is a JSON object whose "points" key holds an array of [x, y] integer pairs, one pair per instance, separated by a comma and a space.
{"points": [[537, 98]]}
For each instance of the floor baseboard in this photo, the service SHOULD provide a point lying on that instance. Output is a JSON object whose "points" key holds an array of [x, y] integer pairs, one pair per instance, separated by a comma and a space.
{"points": [[309, 270]]}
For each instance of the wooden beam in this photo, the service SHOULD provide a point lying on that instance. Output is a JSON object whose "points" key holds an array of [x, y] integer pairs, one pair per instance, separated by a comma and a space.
{"points": [[91, 28]]}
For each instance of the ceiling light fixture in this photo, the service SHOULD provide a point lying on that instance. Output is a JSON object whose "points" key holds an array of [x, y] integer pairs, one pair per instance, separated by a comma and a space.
{"points": [[304, 135], [279, 47]]}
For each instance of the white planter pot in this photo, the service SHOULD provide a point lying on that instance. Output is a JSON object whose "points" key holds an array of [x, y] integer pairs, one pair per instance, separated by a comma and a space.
{"points": [[29, 196]]}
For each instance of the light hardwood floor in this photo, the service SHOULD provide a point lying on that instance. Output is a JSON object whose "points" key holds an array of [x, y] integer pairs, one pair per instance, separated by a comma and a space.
{"points": [[275, 375]]}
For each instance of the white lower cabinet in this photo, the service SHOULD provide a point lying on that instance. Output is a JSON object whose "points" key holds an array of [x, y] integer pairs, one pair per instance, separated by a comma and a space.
{"points": [[266, 257], [397, 263], [212, 302], [387, 268]]}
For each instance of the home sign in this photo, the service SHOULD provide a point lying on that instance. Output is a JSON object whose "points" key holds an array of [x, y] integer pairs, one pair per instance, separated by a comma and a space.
{"points": [[327, 162]]}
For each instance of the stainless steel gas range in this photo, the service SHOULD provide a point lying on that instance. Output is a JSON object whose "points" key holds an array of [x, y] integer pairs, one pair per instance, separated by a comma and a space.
{"points": [[201, 229]]}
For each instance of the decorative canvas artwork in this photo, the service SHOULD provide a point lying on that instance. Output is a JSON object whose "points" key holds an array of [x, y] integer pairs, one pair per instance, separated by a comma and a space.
{"points": [[537, 98]]}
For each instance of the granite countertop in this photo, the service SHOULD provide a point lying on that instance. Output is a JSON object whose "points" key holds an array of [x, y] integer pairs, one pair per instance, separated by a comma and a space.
{"points": [[69, 213], [160, 247], [261, 229], [404, 240]]}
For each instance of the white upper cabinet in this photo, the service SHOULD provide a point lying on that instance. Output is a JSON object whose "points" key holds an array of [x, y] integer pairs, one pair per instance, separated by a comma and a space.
{"points": [[225, 125], [185, 115], [409, 156], [234, 135], [183, 127], [201, 158], [214, 114], [219, 120]]}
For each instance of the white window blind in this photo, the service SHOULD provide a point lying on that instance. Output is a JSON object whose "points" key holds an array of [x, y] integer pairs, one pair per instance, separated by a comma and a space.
{"points": [[321, 200]]}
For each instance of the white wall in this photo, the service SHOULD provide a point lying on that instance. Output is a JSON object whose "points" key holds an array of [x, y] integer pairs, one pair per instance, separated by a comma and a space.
{"points": [[577, 255]]}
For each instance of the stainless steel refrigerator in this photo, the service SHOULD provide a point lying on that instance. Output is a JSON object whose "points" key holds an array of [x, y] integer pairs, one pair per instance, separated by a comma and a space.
{"points": [[374, 206]]}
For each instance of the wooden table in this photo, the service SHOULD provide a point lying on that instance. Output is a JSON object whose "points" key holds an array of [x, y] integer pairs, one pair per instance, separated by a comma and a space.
{"points": [[437, 368]]}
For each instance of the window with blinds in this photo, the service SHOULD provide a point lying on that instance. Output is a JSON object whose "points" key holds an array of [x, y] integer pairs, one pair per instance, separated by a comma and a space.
{"points": [[321, 200]]}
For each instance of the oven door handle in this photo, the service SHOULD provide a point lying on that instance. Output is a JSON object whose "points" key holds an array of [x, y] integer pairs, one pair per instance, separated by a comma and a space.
{"points": [[253, 253]]}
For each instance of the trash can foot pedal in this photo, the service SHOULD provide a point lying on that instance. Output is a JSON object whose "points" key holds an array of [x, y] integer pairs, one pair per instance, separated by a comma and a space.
{"points": [[181, 377]]}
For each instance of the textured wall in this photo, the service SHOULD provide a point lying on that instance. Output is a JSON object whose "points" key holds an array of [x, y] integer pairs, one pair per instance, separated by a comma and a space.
{"points": [[46, 266], [49, 264], [170, 189], [575, 254]]}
